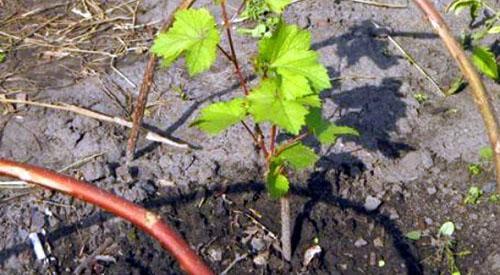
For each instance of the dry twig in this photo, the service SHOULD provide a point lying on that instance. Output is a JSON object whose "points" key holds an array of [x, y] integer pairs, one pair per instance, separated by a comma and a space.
{"points": [[147, 82]]}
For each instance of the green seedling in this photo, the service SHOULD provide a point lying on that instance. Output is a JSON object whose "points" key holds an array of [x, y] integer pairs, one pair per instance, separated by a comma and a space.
{"points": [[420, 97], [495, 199], [2, 56], [474, 169], [486, 153], [414, 235], [285, 99], [482, 56], [447, 246], [457, 86], [473, 195]]}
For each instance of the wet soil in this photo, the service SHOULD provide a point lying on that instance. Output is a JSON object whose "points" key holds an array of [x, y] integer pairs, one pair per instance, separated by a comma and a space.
{"points": [[412, 158]]}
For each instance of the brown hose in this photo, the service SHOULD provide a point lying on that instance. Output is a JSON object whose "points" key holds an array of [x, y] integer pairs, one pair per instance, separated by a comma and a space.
{"points": [[149, 222]]}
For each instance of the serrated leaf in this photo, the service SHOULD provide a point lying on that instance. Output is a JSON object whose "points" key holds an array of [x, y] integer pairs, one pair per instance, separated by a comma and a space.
{"points": [[485, 61], [486, 153], [414, 235], [276, 183], [194, 33], [298, 156], [218, 116], [277, 6], [287, 54], [267, 105], [447, 229], [325, 131]]}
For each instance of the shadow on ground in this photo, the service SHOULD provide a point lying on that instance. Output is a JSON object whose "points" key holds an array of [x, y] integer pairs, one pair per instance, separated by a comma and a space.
{"points": [[317, 191]]}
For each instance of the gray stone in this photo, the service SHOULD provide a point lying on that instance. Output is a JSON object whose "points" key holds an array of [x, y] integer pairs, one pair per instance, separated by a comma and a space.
{"points": [[372, 203], [360, 243], [258, 244], [431, 190], [215, 254], [489, 187]]}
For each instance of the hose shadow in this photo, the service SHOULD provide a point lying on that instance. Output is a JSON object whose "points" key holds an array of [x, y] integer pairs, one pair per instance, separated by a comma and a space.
{"points": [[314, 193]]}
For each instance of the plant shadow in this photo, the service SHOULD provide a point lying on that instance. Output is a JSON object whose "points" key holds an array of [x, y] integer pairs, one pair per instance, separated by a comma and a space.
{"points": [[315, 193]]}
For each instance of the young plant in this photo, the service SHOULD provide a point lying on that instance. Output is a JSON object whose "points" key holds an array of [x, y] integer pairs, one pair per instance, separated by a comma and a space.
{"points": [[286, 97], [447, 247], [482, 56]]}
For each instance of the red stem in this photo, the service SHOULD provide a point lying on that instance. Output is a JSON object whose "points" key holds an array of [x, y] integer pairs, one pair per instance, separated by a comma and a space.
{"points": [[227, 26], [243, 83], [273, 139], [148, 221]]}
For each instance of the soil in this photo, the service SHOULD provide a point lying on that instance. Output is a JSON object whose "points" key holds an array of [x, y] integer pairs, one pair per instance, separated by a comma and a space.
{"points": [[411, 157]]}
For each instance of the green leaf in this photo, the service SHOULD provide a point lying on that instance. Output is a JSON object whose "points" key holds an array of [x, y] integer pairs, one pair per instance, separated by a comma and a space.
{"points": [[277, 6], [486, 153], [485, 61], [267, 105], [494, 30], [458, 6], [473, 195], [326, 132], [276, 183], [287, 54], [457, 86], [194, 33], [219, 116], [414, 235], [447, 229], [298, 156], [2, 57]]}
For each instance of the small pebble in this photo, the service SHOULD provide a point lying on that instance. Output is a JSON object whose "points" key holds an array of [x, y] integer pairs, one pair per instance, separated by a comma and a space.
{"points": [[372, 203], [360, 243], [257, 244], [215, 254], [431, 190], [489, 187]]}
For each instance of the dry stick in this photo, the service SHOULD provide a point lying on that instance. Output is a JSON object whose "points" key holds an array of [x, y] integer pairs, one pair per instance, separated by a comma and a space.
{"points": [[413, 62], [147, 82], [286, 233], [99, 116], [381, 5], [148, 221], [478, 90]]}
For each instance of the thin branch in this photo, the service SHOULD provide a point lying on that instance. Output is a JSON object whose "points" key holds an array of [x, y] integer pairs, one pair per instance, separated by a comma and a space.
{"points": [[243, 82], [381, 4], [99, 116], [274, 131], [413, 62], [477, 87], [290, 143], [149, 222], [147, 82]]}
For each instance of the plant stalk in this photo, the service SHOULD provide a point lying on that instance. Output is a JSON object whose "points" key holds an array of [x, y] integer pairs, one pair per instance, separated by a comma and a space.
{"points": [[243, 83], [477, 87], [147, 82], [148, 221], [286, 233]]}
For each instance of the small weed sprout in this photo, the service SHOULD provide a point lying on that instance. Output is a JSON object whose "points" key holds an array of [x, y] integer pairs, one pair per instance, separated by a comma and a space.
{"points": [[473, 195]]}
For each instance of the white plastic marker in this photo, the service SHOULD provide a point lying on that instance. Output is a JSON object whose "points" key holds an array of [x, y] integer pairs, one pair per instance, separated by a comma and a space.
{"points": [[37, 246]]}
